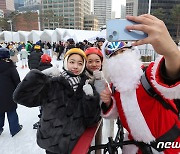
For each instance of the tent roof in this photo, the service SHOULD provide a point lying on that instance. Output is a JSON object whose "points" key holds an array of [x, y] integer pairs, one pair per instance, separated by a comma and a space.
{"points": [[49, 32], [24, 33]]}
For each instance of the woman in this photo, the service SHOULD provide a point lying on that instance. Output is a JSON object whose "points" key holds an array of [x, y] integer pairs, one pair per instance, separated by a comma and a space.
{"points": [[70, 105], [9, 79]]}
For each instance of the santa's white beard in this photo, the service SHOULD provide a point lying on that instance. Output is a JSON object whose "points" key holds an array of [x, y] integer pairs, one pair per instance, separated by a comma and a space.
{"points": [[124, 70]]}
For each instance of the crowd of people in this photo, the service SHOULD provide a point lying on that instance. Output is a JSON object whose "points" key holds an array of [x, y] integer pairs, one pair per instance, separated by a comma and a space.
{"points": [[100, 80]]}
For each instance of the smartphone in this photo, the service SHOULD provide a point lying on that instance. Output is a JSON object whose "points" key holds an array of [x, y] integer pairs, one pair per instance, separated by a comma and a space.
{"points": [[116, 31]]}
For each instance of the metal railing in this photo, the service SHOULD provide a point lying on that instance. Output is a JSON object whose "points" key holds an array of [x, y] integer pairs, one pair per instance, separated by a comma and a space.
{"points": [[148, 55]]}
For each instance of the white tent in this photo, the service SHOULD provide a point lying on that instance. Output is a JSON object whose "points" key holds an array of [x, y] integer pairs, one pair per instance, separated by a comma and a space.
{"points": [[84, 35], [48, 36], [77, 35], [16, 37], [1, 37], [100, 34], [7, 36], [61, 34], [23, 36], [34, 36], [80, 35]]}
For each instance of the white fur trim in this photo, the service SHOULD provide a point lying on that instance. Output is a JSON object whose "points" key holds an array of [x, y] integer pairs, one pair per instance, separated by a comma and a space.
{"points": [[65, 62], [52, 71], [136, 122], [113, 113], [131, 148], [167, 92]]}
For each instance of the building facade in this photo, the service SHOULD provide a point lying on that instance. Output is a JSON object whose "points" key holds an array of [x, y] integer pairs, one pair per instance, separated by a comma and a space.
{"points": [[167, 6], [102, 9], [90, 22], [132, 7], [7, 6], [18, 3], [26, 21], [123, 11], [68, 14], [31, 2], [1, 13]]}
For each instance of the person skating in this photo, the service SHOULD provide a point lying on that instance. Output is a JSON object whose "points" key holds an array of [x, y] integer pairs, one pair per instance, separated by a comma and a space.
{"points": [[35, 57], [9, 79], [24, 57]]}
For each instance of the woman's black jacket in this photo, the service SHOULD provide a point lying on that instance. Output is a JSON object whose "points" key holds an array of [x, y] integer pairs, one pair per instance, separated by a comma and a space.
{"points": [[66, 114]]}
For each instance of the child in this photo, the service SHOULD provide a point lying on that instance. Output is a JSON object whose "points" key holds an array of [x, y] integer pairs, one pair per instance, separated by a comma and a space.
{"points": [[93, 69], [35, 57], [69, 104], [94, 72], [24, 57], [45, 62], [94, 60]]}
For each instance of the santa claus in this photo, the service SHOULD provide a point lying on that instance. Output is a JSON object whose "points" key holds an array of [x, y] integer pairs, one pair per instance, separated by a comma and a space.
{"points": [[147, 120]]}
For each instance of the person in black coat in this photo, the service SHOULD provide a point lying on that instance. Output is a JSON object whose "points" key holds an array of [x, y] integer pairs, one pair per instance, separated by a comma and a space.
{"points": [[70, 104], [45, 62], [9, 79], [35, 57], [70, 44], [61, 50]]}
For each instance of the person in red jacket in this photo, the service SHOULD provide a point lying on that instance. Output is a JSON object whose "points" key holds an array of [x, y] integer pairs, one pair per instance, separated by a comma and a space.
{"points": [[147, 120]]}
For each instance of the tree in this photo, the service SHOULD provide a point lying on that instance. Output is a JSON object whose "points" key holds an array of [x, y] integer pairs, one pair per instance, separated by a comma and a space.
{"points": [[49, 18], [159, 13], [4, 24], [175, 18], [46, 17], [11, 16]]}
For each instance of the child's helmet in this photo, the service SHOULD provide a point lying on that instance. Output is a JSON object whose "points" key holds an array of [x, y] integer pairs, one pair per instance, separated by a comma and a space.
{"points": [[45, 58], [94, 50], [37, 47], [111, 47], [77, 51]]}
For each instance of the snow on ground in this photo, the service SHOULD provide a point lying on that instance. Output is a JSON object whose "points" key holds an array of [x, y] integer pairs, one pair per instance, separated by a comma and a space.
{"points": [[25, 141]]}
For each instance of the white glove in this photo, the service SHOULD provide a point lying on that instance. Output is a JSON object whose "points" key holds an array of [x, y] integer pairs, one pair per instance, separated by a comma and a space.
{"points": [[98, 75], [52, 71], [88, 89]]}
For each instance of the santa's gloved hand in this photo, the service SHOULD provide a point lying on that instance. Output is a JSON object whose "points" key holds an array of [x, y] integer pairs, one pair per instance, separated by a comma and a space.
{"points": [[88, 89], [98, 75], [52, 71]]}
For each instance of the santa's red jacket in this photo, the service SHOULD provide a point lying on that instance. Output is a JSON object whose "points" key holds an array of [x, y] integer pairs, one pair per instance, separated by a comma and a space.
{"points": [[142, 115]]}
